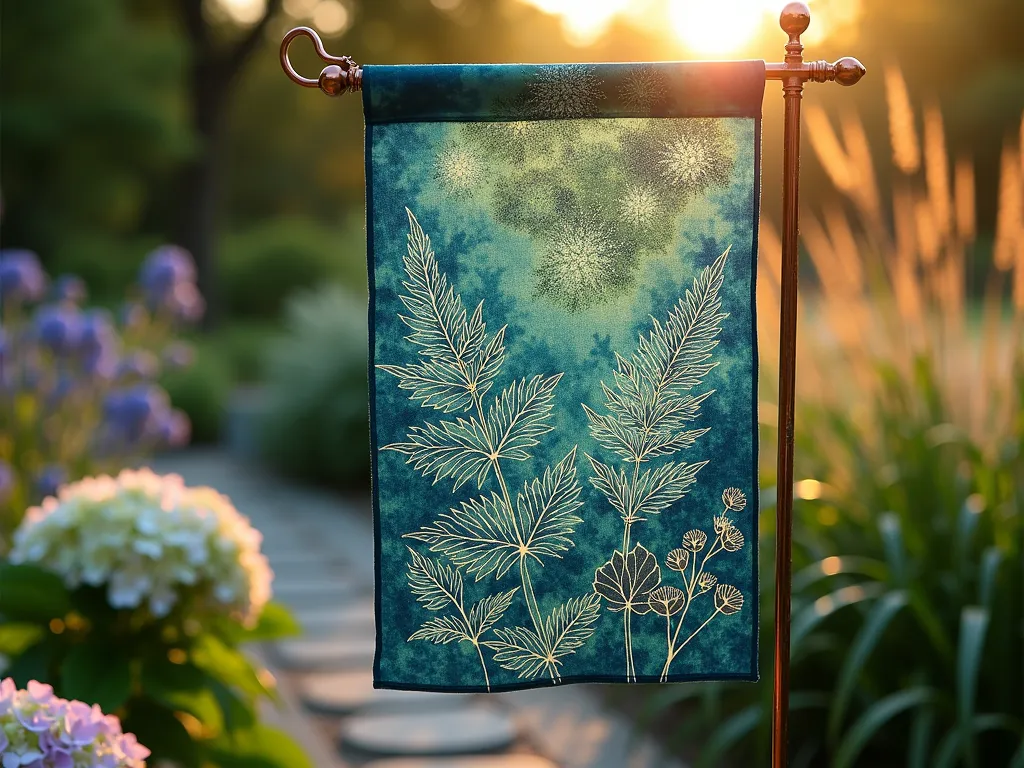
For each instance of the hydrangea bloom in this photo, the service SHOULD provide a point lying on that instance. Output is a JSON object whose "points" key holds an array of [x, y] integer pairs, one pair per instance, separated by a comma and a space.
{"points": [[38, 728], [149, 539]]}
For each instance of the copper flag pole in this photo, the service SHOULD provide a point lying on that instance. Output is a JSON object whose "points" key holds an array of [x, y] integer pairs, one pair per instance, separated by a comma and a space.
{"points": [[343, 75], [794, 20]]}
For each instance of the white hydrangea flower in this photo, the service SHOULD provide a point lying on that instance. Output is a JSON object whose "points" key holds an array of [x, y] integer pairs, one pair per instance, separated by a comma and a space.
{"points": [[148, 538]]}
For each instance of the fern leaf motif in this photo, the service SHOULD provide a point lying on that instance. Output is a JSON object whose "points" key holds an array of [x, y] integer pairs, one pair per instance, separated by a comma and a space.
{"points": [[452, 449], [480, 535], [488, 612], [485, 537], [520, 650], [461, 362], [572, 623], [546, 509], [519, 416], [651, 404], [435, 585], [441, 630]]}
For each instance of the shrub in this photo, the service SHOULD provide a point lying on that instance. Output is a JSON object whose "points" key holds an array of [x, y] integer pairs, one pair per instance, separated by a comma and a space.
{"points": [[910, 436], [317, 417], [134, 594], [262, 266], [77, 391], [201, 391]]}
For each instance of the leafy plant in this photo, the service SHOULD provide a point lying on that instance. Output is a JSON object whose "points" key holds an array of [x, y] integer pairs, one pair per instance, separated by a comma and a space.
{"points": [[907, 525], [488, 535], [648, 417], [78, 391], [144, 613]]}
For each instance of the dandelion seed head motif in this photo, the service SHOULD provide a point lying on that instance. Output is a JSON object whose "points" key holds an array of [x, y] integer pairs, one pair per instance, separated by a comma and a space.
{"points": [[565, 92], [678, 559], [686, 161], [458, 170], [694, 540], [639, 206], [732, 540], [728, 599], [580, 261], [734, 499], [707, 581], [645, 88], [667, 601]]}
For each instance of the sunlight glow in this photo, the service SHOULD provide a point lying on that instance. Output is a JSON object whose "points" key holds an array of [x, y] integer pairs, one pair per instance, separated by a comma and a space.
{"points": [[244, 11], [721, 27], [583, 21]]}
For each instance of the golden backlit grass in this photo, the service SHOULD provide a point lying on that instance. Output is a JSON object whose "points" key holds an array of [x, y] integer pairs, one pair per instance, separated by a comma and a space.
{"points": [[890, 275]]}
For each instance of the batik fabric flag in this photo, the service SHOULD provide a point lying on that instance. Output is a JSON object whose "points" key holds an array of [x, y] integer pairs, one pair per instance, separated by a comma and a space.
{"points": [[563, 372]]}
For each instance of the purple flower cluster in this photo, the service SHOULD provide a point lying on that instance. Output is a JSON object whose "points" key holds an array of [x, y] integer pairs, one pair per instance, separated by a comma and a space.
{"points": [[40, 730], [168, 280], [68, 368]]}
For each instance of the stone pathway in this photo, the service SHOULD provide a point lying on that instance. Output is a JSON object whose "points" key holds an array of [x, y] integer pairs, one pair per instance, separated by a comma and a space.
{"points": [[321, 550]]}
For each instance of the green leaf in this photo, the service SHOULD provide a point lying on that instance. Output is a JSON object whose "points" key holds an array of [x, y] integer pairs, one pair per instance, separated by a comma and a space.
{"points": [[229, 666], [275, 622], [920, 740], [892, 541], [860, 652], [728, 735], [260, 747], [987, 573], [973, 627], [519, 415], [826, 605], [951, 747], [183, 688], [838, 566], [156, 727], [29, 593], [16, 638], [97, 674], [876, 716], [488, 612], [435, 585], [236, 713], [34, 663]]}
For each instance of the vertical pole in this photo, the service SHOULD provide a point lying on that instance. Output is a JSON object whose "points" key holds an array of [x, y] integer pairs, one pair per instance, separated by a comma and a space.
{"points": [[794, 20]]}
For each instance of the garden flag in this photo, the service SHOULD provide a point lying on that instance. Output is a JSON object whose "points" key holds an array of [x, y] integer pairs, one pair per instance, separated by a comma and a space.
{"points": [[563, 372]]}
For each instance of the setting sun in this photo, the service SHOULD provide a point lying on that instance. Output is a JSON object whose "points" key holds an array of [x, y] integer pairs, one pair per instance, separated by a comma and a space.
{"points": [[718, 28]]}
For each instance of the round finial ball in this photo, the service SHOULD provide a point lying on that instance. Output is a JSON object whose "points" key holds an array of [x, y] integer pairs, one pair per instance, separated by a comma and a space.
{"points": [[795, 18], [849, 71], [333, 80]]}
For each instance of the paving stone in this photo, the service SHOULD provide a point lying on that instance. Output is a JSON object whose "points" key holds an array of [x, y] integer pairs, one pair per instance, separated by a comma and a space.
{"points": [[473, 761], [314, 593], [341, 693], [429, 733], [307, 654], [354, 618]]}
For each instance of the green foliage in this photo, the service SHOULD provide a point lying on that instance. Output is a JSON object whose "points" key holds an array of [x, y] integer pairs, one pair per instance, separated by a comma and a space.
{"points": [[202, 392], [907, 594], [159, 675], [316, 423], [263, 265]]}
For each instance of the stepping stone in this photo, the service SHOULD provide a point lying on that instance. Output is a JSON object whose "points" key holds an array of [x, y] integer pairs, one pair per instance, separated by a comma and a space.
{"points": [[475, 761], [429, 734], [354, 618], [308, 654], [313, 593], [341, 693]]}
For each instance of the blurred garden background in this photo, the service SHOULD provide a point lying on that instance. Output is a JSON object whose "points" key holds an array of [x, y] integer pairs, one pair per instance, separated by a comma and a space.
{"points": [[127, 125]]}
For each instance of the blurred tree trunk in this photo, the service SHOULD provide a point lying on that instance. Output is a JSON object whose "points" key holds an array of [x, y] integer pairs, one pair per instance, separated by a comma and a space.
{"points": [[214, 67]]}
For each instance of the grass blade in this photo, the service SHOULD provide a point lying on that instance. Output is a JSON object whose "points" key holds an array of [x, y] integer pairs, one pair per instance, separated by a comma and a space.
{"points": [[864, 644], [973, 626], [808, 618], [987, 573], [876, 716], [920, 738], [948, 753], [728, 734], [892, 542]]}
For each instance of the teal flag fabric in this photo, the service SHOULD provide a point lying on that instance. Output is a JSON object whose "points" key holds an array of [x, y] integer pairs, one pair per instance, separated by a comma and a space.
{"points": [[563, 372]]}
